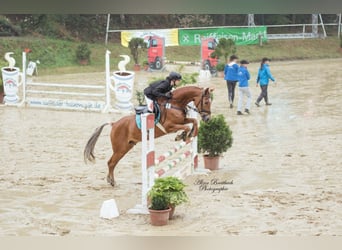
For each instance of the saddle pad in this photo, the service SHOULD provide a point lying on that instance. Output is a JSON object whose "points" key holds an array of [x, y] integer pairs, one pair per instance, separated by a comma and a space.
{"points": [[138, 120]]}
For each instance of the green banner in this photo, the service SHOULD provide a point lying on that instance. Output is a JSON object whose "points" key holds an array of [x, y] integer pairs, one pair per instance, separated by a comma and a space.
{"points": [[241, 36]]}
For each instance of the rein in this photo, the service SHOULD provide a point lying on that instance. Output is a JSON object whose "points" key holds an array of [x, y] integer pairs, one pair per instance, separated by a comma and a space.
{"points": [[201, 110]]}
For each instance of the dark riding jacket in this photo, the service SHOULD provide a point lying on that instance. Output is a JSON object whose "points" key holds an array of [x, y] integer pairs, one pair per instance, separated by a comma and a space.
{"points": [[158, 89]]}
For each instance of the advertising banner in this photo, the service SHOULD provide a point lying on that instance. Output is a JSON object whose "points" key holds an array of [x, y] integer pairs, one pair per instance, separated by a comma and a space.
{"points": [[241, 36], [170, 35]]}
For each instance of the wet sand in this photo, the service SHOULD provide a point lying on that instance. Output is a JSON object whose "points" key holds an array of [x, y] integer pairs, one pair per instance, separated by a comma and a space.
{"points": [[285, 164]]}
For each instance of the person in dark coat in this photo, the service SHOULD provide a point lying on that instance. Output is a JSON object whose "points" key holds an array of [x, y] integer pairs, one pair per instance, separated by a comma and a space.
{"points": [[161, 88]]}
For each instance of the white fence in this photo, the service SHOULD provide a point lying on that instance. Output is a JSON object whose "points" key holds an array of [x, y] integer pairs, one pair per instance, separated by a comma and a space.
{"points": [[67, 95]]}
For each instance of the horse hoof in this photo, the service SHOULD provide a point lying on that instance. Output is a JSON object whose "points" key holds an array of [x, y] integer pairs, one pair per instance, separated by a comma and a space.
{"points": [[111, 181], [178, 138], [181, 136]]}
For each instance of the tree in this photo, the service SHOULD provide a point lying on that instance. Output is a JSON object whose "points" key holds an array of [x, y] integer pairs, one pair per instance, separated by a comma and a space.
{"points": [[135, 45], [224, 48]]}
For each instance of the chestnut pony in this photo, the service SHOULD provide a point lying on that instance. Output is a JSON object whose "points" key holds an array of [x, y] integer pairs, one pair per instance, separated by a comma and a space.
{"points": [[125, 133]]}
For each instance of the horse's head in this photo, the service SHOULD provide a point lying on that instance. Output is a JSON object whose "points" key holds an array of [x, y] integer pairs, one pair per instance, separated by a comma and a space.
{"points": [[203, 104], [201, 97]]}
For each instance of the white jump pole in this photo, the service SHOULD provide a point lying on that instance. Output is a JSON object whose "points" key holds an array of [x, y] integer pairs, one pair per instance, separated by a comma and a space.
{"points": [[23, 77], [108, 105], [147, 163]]}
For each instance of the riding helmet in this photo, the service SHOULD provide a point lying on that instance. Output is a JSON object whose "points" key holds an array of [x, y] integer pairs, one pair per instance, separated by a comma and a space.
{"points": [[175, 76]]}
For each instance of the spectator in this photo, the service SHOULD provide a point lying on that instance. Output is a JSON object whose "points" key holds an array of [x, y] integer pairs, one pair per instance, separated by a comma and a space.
{"points": [[231, 77], [264, 74], [244, 76]]}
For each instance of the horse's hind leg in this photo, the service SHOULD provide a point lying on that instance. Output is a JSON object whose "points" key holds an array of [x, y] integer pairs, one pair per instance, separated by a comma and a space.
{"points": [[118, 153]]}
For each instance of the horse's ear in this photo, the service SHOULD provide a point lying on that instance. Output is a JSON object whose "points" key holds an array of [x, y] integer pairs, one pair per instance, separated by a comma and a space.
{"points": [[209, 90]]}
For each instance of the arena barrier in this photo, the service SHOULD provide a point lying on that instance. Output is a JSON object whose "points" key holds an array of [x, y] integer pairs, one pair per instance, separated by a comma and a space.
{"points": [[149, 164], [68, 96]]}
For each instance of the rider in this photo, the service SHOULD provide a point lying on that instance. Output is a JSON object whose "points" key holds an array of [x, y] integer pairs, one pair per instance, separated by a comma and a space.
{"points": [[161, 88]]}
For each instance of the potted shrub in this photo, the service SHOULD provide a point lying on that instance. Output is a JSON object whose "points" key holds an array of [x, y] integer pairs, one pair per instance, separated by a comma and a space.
{"points": [[224, 48], [140, 97], [159, 207], [220, 68], [145, 65], [136, 45], [214, 138], [83, 53], [173, 188]]}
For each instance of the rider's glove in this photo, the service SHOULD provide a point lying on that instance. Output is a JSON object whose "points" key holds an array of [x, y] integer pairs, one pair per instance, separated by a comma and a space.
{"points": [[168, 95]]}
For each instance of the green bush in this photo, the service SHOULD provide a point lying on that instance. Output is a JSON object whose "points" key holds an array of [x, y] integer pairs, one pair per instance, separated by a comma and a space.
{"points": [[214, 136], [140, 97], [220, 67], [224, 48], [159, 202], [83, 52], [170, 187], [7, 28], [136, 44]]}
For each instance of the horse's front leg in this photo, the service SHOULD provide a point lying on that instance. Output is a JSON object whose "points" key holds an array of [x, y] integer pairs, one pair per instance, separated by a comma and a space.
{"points": [[181, 127], [194, 130], [187, 132]]}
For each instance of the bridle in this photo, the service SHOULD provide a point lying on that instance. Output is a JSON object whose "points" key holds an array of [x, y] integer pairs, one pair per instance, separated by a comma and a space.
{"points": [[203, 112], [200, 103]]}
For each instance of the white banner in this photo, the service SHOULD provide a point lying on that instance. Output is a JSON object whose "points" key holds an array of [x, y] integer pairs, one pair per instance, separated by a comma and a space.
{"points": [[170, 35]]}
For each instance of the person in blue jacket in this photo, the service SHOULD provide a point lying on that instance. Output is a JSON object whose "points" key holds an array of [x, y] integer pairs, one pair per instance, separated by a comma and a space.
{"points": [[231, 77], [244, 76], [264, 75]]}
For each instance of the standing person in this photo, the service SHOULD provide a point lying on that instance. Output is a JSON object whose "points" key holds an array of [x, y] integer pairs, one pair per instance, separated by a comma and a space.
{"points": [[244, 76], [264, 74], [161, 88], [231, 77]]}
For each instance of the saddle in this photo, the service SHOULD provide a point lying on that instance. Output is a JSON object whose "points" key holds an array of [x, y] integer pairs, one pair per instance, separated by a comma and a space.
{"points": [[142, 109]]}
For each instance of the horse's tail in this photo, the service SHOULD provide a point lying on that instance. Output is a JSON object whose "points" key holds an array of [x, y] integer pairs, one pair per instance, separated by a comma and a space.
{"points": [[89, 148]]}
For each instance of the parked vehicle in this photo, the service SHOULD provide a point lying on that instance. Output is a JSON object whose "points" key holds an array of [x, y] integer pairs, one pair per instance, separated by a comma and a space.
{"points": [[156, 52], [208, 46]]}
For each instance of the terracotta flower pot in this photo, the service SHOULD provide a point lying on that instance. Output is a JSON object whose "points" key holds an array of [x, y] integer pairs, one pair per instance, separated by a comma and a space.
{"points": [[172, 211], [84, 62], [137, 67], [159, 217], [211, 163], [220, 74]]}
